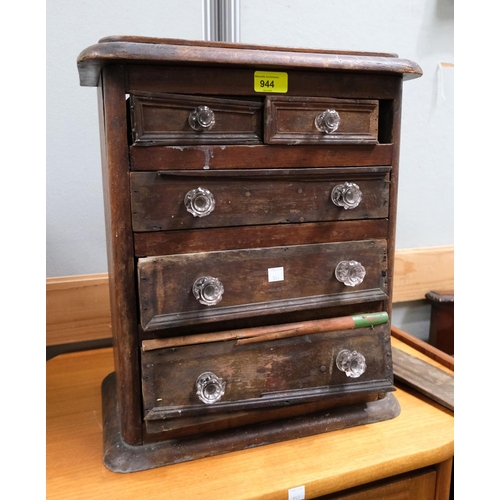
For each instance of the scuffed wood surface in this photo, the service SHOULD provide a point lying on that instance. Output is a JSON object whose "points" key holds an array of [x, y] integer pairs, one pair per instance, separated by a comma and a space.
{"points": [[245, 200], [422, 434], [120, 50], [426, 378], [72, 315], [308, 283], [261, 156], [424, 347]]}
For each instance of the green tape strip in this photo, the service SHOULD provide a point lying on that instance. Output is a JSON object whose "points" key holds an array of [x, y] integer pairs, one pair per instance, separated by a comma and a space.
{"points": [[370, 319]]}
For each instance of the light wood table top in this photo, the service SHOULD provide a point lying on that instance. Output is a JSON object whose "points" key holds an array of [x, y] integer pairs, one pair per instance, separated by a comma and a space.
{"points": [[422, 435]]}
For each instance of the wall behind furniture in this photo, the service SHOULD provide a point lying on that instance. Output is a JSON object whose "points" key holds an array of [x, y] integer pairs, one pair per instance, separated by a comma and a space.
{"points": [[421, 30], [75, 236]]}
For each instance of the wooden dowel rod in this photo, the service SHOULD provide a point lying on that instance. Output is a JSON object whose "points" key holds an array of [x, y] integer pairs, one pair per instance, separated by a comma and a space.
{"points": [[334, 324], [263, 333]]}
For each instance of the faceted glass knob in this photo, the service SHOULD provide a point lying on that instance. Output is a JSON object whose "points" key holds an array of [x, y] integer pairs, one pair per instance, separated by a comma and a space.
{"points": [[352, 363], [200, 202], [210, 388], [208, 291], [328, 121], [350, 272], [347, 195], [202, 118]]}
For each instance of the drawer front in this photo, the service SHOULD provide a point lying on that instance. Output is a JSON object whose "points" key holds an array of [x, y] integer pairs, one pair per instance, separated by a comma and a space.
{"points": [[163, 119], [168, 200], [416, 485], [301, 120], [204, 287], [227, 376]]}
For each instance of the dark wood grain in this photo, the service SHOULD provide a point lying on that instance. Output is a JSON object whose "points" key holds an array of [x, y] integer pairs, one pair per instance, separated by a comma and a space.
{"points": [[278, 373], [424, 347], [261, 156], [160, 119], [231, 238], [308, 271], [113, 124], [426, 378], [91, 60], [442, 327], [394, 136], [273, 209], [291, 120], [175, 428], [228, 45], [227, 81], [119, 457], [261, 198]]}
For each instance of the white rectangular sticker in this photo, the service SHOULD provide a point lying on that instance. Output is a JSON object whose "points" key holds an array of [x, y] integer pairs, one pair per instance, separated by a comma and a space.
{"points": [[275, 274], [298, 493]]}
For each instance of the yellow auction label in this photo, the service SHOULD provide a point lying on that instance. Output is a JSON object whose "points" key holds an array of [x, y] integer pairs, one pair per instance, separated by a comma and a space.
{"points": [[270, 81]]}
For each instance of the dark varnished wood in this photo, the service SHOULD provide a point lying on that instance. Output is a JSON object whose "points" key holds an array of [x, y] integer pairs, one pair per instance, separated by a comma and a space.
{"points": [[120, 457], [228, 45], [227, 81], [309, 282], [262, 156], [291, 120], [254, 197], [164, 429], [278, 373], [130, 51], [113, 124], [206, 240], [442, 327], [395, 137], [272, 210], [159, 119]]}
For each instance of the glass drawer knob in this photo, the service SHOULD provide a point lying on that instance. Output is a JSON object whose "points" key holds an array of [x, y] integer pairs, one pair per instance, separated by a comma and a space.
{"points": [[210, 388], [202, 118], [350, 272], [352, 363], [328, 121], [208, 291], [347, 195], [199, 202]]}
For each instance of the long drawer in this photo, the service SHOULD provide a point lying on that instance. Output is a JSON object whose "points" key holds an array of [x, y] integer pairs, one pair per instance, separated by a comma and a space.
{"points": [[222, 377], [193, 288], [182, 200]]}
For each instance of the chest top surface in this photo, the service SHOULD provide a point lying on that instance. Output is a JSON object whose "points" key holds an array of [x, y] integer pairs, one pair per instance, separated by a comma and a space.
{"points": [[148, 50]]}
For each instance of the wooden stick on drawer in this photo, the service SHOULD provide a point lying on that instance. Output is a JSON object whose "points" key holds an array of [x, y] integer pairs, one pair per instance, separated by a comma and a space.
{"points": [[264, 333]]}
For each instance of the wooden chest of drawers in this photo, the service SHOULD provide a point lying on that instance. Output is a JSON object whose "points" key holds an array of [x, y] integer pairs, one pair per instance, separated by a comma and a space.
{"points": [[250, 197]]}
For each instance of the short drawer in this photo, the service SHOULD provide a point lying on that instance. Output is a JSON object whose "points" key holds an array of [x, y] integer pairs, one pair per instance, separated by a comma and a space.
{"points": [[301, 120], [183, 200], [205, 287], [226, 376], [163, 119]]}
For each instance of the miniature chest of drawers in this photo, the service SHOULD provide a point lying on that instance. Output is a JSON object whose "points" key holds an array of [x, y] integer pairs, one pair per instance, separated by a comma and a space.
{"points": [[250, 198]]}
